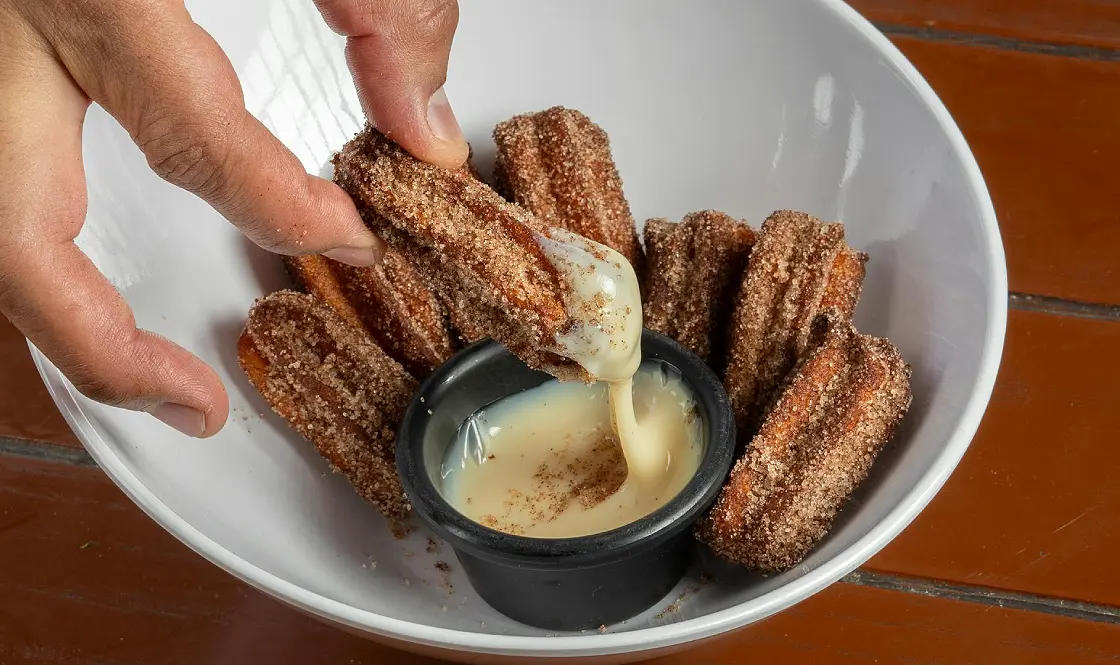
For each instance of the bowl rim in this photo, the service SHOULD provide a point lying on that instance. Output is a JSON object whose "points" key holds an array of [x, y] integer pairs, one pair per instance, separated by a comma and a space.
{"points": [[677, 514], [653, 637]]}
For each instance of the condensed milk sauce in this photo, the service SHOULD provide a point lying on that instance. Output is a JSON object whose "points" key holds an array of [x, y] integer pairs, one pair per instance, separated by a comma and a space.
{"points": [[606, 304], [570, 459], [546, 462]]}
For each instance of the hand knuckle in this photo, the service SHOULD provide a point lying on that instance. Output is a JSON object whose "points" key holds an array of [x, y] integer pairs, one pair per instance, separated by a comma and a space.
{"points": [[187, 155]]}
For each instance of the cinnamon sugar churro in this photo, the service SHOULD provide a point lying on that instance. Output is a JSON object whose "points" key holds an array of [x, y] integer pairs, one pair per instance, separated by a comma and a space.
{"points": [[482, 255], [838, 410], [474, 319], [334, 386], [798, 266], [388, 300], [694, 269], [557, 163]]}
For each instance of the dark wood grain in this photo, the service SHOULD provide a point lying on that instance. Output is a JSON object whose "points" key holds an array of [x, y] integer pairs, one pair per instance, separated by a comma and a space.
{"points": [[1033, 505], [1084, 22], [26, 409], [1046, 134], [856, 625]]}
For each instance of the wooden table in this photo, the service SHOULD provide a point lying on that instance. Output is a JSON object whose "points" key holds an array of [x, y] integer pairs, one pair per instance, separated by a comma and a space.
{"points": [[1016, 561]]}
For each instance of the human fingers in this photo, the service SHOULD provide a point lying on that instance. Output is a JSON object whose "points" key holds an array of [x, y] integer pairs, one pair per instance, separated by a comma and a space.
{"points": [[171, 86], [49, 289], [397, 51]]}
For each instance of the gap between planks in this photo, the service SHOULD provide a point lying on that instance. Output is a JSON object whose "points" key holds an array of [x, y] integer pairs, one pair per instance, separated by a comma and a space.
{"points": [[933, 34], [1071, 609], [43, 450], [1063, 307]]}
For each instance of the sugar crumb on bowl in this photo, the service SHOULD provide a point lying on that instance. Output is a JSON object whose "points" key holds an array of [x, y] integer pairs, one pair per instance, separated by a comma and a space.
{"points": [[445, 577], [675, 606]]}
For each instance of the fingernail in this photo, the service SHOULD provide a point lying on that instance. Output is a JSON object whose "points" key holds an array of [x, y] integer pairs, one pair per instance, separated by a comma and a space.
{"points": [[441, 119], [359, 257], [189, 421]]}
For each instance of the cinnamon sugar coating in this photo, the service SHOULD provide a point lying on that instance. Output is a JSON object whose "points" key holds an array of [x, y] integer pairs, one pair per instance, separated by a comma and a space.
{"points": [[389, 300], [798, 266], [815, 447], [480, 254], [694, 270], [335, 387], [475, 320], [557, 163]]}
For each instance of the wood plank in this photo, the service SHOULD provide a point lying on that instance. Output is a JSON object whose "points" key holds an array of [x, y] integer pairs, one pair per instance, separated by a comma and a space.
{"points": [[86, 578], [1033, 505], [26, 409], [855, 625], [1082, 22], [1046, 135]]}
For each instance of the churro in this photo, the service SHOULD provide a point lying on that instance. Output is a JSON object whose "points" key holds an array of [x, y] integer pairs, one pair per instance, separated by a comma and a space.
{"points": [[474, 320], [388, 300], [815, 447], [473, 248], [797, 267], [694, 269], [557, 163], [334, 386]]}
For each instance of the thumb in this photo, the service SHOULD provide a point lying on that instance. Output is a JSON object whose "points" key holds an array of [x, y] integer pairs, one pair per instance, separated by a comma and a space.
{"points": [[397, 51]]}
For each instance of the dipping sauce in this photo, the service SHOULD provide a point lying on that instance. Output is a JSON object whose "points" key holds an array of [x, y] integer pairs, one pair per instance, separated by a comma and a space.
{"points": [[605, 305], [546, 463], [603, 302]]}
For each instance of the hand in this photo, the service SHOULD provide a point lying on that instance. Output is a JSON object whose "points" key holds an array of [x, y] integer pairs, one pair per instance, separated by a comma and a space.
{"points": [[169, 84]]}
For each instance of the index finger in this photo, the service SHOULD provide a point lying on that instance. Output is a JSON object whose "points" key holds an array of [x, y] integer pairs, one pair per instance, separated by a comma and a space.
{"points": [[183, 106]]}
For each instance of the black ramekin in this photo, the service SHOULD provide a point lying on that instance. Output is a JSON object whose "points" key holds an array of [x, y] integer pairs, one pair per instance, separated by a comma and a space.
{"points": [[567, 583]]}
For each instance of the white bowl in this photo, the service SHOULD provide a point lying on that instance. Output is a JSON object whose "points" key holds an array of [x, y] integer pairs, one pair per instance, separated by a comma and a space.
{"points": [[741, 106]]}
